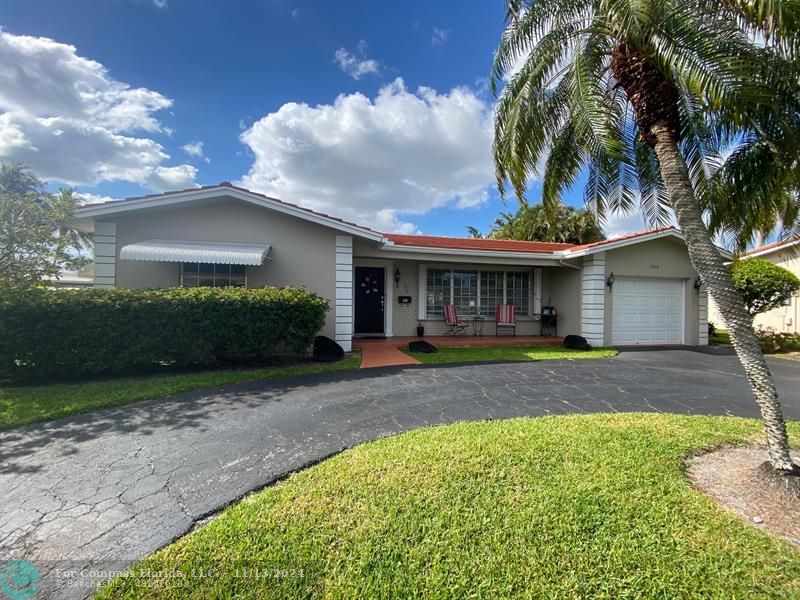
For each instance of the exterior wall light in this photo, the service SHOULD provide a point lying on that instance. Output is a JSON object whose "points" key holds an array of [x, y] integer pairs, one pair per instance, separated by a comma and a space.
{"points": [[610, 281], [397, 278], [697, 283]]}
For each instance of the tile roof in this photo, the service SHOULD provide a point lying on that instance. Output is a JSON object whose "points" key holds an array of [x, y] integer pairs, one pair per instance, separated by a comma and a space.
{"points": [[623, 238], [451, 243], [767, 248], [432, 241], [420, 241]]}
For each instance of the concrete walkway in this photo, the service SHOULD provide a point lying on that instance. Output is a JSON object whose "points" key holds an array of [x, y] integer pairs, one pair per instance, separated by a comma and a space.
{"points": [[104, 489]]}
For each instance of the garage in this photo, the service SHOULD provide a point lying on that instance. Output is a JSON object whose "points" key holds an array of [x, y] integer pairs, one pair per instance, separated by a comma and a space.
{"points": [[647, 310]]}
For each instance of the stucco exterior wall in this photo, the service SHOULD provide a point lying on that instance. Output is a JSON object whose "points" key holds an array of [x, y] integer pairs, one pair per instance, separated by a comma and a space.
{"points": [[562, 288], [783, 319], [661, 258], [303, 254]]}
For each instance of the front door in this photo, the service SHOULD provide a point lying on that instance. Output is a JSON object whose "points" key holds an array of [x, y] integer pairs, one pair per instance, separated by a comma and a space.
{"points": [[369, 292]]}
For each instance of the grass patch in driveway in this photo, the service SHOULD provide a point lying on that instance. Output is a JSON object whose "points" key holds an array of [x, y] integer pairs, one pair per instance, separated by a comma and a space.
{"points": [[589, 506], [508, 353], [30, 404]]}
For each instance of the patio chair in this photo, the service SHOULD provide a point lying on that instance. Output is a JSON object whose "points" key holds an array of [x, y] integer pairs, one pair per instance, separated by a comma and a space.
{"points": [[504, 317], [452, 321]]}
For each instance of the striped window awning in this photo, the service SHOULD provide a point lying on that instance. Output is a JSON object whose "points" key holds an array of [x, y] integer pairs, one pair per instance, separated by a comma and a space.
{"points": [[200, 252]]}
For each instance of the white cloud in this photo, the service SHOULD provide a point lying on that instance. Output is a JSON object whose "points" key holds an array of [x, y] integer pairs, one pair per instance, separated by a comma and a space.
{"points": [[85, 198], [440, 36], [618, 224], [172, 178], [65, 117], [195, 149], [161, 4], [356, 65], [375, 160]]}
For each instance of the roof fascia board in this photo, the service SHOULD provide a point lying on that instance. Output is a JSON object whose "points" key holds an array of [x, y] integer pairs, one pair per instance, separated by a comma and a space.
{"points": [[770, 250], [613, 244], [209, 193]]}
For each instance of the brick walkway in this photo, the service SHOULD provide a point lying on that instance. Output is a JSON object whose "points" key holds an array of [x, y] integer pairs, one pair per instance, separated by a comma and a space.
{"points": [[386, 352]]}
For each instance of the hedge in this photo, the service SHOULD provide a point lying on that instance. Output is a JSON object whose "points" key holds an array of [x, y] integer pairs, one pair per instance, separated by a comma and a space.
{"points": [[64, 334]]}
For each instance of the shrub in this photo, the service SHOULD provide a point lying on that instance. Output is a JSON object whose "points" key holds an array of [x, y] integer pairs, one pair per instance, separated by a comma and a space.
{"points": [[74, 333], [762, 284], [774, 342]]}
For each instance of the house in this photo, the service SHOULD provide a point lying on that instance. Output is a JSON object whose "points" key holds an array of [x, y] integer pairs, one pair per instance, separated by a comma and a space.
{"points": [[637, 289], [784, 319]]}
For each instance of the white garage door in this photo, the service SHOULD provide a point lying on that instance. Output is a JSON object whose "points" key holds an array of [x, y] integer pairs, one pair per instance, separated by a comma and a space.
{"points": [[647, 311]]}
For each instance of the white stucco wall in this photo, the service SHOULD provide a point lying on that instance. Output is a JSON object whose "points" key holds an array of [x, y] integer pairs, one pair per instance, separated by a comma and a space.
{"points": [[661, 258]]}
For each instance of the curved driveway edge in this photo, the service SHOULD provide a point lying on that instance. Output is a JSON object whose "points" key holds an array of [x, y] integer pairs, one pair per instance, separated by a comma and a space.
{"points": [[104, 489]]}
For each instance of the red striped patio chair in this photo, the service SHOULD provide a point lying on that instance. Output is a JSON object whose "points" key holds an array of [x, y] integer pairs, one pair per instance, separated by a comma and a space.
{"points": [[452, 321], [504, 317]]}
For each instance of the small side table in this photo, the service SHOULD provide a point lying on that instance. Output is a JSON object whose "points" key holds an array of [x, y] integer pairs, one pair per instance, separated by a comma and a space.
{"points": [[477, 324]]}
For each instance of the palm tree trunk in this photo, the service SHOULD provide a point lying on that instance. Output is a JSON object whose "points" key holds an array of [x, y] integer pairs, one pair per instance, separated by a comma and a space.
{"points": [[709, 264]]}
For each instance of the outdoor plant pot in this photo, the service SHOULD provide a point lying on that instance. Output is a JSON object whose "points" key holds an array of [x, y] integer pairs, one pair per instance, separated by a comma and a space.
{"points": [[420, 330]]}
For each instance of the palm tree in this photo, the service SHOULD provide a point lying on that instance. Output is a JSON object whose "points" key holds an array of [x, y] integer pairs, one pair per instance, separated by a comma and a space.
{"points": [[532, 222], [474, 232], [645, 94]]}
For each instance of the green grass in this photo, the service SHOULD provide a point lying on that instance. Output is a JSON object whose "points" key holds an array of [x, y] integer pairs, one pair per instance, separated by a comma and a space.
{"points": [[721, 336], [555, 507], [31, 404], [508, 353]]}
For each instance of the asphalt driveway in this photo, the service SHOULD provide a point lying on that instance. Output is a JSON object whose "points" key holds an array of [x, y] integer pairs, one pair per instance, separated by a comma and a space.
{"points": [[100, 490]]}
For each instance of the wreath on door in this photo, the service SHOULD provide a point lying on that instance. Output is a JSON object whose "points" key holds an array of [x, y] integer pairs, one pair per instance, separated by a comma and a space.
{"points": [[370, 285]]}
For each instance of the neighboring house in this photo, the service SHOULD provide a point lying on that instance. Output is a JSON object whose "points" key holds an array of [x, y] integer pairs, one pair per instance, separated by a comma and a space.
{"points": [[71, 280], [386, 284], [784, 319]]}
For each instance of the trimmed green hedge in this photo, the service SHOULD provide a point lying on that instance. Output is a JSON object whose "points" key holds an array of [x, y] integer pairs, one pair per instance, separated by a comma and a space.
{"points": [[63, 334]]}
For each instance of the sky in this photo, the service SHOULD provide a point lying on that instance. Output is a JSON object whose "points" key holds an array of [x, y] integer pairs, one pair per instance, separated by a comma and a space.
{"points": [[375, 111]]}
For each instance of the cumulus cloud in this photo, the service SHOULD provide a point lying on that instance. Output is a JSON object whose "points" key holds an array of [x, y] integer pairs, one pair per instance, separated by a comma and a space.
{"points": [[375, 160], [195, 149], [356, 65], [66, 118], [440, 36], [85, 198], [619, 224]]}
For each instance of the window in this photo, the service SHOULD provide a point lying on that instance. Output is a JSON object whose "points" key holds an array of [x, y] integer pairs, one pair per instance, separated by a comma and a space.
{"points": [[517, 292], [477, 292], [211, 275], [465, 292], [438, 290], [492, 285]]}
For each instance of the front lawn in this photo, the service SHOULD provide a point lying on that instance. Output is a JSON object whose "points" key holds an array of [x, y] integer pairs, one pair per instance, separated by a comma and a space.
{"points": [[589, 506], [508, 353], [720, 336], [30, 404]]}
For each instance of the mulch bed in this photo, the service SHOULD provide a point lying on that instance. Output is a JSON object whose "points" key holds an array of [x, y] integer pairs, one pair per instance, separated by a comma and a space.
{"points": [[735, 479]]}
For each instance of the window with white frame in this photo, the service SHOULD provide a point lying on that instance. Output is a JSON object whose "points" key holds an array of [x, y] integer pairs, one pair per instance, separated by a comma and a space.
{"points": [[212, 275], [518, 291], [477, 292], [492, 286], [438, 288]]}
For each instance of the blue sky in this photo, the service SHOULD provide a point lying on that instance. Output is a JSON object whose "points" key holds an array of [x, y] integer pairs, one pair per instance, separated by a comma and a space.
{"points": [[374, 111]]}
